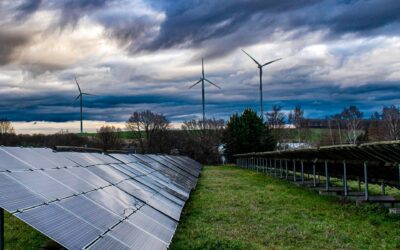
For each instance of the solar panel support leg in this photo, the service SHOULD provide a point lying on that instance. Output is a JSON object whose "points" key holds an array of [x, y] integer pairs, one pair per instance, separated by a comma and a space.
{"points": [[265, 166], [383, 188], [280, 168], [294, 170], [275, 167], [1, 228], [286, 172], [399, 174], [366, 180], [314, 176], [327, 176], [257, 165], [302, 173], [270, 167], [345, 178]]}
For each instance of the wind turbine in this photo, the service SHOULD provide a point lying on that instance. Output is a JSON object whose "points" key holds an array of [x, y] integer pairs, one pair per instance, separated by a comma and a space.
{"points": [[202, 79], [260, 66], [81, 94]]}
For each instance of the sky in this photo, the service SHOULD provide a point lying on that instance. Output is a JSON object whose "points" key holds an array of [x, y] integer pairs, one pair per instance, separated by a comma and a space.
{"points": [[145, 54]]}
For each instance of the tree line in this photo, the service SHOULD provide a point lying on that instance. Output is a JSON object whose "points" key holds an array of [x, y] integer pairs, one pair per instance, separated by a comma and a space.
{"points": [[243, 132]]}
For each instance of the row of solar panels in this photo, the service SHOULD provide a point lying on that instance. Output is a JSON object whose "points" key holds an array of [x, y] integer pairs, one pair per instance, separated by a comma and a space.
{"points": [[387, 152], [97, 201]]}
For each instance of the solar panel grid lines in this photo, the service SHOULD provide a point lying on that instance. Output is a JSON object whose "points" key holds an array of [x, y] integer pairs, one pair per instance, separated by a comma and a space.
{"points": [[95, 192], [182, 181], [60, 225], [173, 165], [178, 163], [164, 161], [170, 173]]}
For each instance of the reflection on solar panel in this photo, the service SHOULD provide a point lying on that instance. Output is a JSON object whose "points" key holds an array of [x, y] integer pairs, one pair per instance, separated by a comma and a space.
{"points": [[97, 201]]}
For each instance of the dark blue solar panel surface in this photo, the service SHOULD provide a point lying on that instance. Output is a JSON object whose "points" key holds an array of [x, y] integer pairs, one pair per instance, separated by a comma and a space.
{"points": [[97, 201]]}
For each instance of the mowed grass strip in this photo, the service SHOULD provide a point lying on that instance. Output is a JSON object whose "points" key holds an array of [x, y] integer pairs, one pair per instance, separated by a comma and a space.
{"points": [[233, 208], [19, 235]]}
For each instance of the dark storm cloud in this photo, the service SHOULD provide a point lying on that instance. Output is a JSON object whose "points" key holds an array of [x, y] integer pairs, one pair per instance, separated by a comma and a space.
{"points": [[10, 44], [26, 8], [330, 99], [73, 10], [205, 24], [360, 16], [210, 28], [202, 21], [199, 21]]}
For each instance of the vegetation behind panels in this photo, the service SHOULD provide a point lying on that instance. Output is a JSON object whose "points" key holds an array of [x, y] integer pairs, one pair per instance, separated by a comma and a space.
{"points": [[147, 132]]}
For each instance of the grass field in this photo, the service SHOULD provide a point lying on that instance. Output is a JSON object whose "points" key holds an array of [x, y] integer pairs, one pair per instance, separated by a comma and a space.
{"points": [[240, 209], [233, 208], [18, 235]]}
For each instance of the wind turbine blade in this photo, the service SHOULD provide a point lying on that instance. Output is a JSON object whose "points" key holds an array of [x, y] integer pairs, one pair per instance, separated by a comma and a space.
{"points": [[265, 64], [78, 85], [202, 66], [195, 84], [212, 83], [252, 58], [88, 94], [77, 97]]}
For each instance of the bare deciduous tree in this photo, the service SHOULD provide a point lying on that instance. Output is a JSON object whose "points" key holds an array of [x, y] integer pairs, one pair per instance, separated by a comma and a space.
{"points": [[145, 125], [276, 118], [296, 117], [109, 137], [276, 121], [203, 139], [352, 118], [6, 127], [391, 121]]}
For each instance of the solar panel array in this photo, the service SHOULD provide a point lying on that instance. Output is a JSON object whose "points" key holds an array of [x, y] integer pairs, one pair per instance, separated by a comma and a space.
{"points": [[94, 200]]}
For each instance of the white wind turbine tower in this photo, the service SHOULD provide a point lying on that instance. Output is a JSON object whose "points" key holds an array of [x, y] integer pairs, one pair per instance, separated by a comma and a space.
{"points": [[80, 96], [202, 79], [260, 67]]}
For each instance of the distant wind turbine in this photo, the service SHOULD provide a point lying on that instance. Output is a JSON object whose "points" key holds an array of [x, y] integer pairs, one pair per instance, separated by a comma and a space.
{"points": [[260, 66], [80, 96], [202, 79]]}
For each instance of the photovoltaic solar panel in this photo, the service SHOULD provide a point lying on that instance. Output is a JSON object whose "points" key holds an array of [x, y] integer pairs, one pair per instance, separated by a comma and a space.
{"points": [[76, 183], [9, 162], [42, 184], [61, 225], [92, 212], [14, 196], [97, 201]]}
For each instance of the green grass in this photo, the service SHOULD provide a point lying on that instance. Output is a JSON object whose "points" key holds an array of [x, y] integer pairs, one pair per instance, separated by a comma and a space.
{"points": [[19, 235], [233, 208], [240, 209]]}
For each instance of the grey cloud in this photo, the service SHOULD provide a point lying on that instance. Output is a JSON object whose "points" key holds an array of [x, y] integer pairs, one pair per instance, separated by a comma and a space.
{"points": [[26, 8], [10, 44]]}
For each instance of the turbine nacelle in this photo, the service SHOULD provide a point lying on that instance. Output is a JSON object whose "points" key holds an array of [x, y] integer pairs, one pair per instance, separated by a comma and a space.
{"points": [[259, 65]]}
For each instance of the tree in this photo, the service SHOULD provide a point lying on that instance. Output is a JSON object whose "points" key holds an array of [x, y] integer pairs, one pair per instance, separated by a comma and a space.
{"points": [[202, 140], [109, 137], [246, 133], [276, 121], [296, 117], [391, 120], [148, 128], [6, 127], [352, 118]]}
